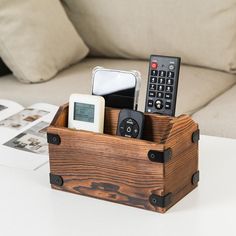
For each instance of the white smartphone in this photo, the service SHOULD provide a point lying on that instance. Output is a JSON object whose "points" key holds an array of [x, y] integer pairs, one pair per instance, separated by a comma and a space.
{"points": [[86, 112], [119, 88]]}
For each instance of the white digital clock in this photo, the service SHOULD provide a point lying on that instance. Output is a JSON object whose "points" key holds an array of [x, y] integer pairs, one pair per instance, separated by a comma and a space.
{"points": [[86, 112]]}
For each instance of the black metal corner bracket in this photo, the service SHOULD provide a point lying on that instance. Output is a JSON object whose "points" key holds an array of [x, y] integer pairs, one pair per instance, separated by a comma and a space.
{"points": [[161, 157], [56, 179], [196, 136], [160, 201], [195, 178], [53, 139]]}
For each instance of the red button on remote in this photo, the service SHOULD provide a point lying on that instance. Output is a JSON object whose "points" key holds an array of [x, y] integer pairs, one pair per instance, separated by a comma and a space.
{"points": [[154, 65]]}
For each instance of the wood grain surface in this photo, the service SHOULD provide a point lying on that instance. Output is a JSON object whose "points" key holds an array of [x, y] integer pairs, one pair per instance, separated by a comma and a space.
{"points": [[117, 168]]}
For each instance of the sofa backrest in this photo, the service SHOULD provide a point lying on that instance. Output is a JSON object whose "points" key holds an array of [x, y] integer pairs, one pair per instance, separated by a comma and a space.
{"points": [[202, 32]]}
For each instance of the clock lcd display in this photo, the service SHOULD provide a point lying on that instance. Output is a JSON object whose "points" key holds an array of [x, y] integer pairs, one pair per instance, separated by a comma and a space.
{"points": [[84, 112]]}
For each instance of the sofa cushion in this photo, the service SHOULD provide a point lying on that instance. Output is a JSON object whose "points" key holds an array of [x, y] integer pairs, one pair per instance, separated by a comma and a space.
{"points": [[218, 118], [201, 32], [196, 86], [37, 39]]}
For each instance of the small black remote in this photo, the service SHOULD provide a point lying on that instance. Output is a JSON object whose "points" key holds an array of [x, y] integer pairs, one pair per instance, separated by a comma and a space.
{"points": [[162, 84], [130, 123]]}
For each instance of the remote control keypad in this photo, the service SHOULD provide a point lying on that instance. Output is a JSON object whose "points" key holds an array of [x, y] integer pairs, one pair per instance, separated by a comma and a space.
{"points": [[161, 94], [164, 87]]}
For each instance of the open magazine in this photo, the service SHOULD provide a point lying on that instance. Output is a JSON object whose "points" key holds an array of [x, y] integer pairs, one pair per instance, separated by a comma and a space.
{"points": [[23, 134]]}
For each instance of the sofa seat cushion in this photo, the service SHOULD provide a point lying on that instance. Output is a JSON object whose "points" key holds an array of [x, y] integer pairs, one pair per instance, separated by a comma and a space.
{"points": [[196, 86], [218, 118]]}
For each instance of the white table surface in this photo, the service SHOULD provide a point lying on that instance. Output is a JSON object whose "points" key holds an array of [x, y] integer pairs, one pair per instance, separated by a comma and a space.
{"points": [[28, 206]]}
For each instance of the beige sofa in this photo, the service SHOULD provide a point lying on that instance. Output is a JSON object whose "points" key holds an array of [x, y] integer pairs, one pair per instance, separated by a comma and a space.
{"points": [[207, 85]]}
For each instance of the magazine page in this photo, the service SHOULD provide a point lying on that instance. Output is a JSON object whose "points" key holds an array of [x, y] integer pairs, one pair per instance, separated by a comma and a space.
{"points": [[8, 108], [23, 140]]}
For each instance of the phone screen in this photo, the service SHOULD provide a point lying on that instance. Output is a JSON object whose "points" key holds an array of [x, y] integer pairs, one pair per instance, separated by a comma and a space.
{"points": [[117, 87], [121, 99]]}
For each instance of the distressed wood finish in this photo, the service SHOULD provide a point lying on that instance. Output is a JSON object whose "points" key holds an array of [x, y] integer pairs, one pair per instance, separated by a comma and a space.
{"points": [[117, 169]]}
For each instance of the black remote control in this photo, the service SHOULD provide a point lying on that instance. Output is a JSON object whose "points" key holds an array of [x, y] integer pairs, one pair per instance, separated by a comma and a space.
{"points": [[162, 84], [130, 123]]}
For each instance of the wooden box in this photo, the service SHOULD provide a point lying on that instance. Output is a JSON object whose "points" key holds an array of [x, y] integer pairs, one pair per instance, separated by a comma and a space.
{"points": [[152, 174]]}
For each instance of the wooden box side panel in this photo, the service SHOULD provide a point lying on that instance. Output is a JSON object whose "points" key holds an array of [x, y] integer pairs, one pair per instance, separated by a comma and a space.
{"points": [[107, 167], [61, 117], [179, 170], [179, 136], [178, 181]]}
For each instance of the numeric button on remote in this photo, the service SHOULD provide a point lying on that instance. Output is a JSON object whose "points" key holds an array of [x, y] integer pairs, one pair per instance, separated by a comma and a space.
{"points": [[168, 96], [159, 104], [150, 103], [170, 81], [152, 94], [160, 95], [170, 74], [162, 73], [161, 80], [153, 79], [169, 89], [154, 72], [160, 88], [153, 87], [168, 105]]}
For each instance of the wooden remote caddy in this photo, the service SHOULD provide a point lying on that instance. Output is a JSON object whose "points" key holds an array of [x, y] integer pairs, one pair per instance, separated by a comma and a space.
{"points": [[152, 174]]}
